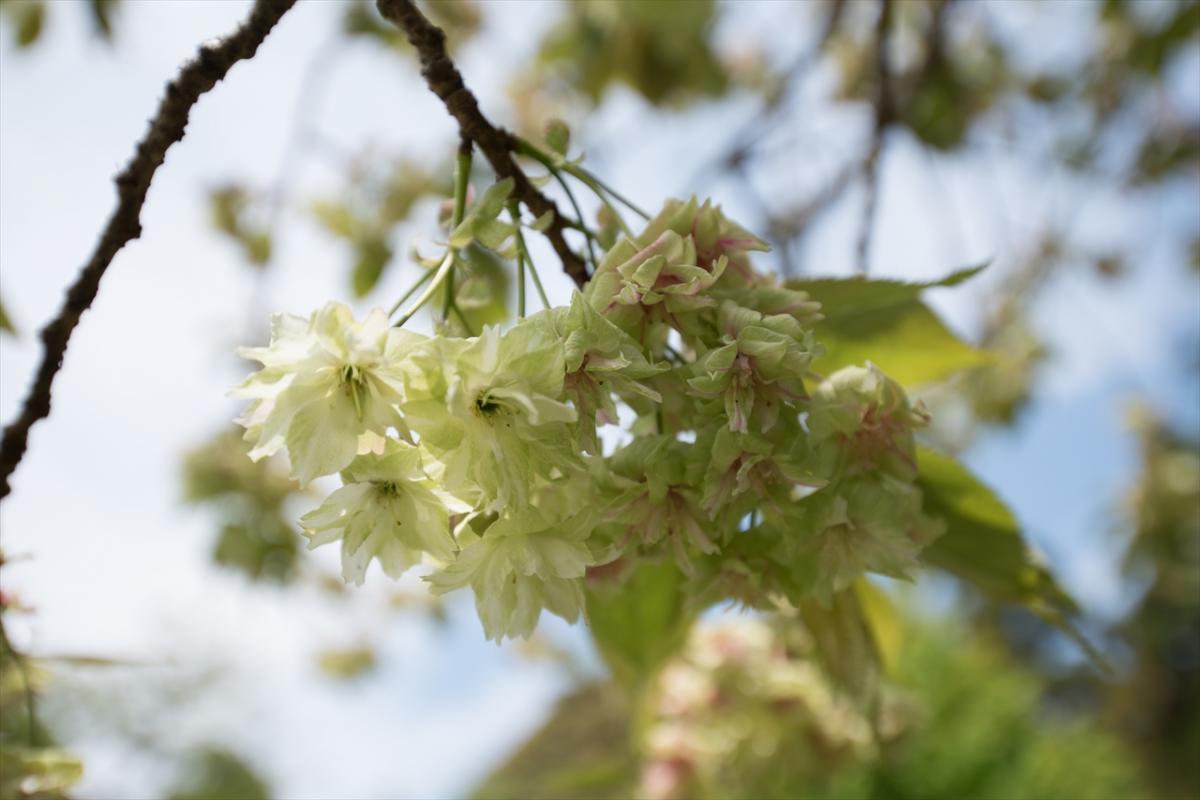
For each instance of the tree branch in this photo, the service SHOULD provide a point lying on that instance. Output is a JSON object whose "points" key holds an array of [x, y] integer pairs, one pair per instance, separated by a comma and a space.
{"points": [[884, 115], [210, 64], [494, 142]]}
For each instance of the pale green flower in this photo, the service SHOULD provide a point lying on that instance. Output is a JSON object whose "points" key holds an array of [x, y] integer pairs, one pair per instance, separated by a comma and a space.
{"points": [[861, 421], [745, 472], [324, 383], [868, 519], [526, 561], [760, 368], [638, 286], [388, 510], [717, 238], [600, 360], [490, 410], [769, 299], [654, 481], [857, 526]]}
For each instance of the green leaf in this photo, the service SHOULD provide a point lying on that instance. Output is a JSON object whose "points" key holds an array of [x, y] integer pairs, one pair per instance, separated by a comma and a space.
{"points": [[373, 256], [845, 645], [257, 245], [30, 17], [264, 549], [983, 546], [102, 12], [237, 212], [483, 287], [481, 223], [347, 663], [213, 773], [359, 18], [885, 322], [853, 296], [982, 543], [493, 200], [491, 233], [884, 621], [908, 342], [557, 136], [6, 323], [641, 621], [336, 218], [583, 750], [37, 772]]}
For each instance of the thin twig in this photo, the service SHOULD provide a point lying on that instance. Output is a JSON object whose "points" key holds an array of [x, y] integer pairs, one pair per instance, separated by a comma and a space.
{"points": [[445, 272], [211, 63], [746, 143], [587, 234], [514, 211], [421, 281], [787, 228], [309, 99], [497, 144], [884, 114]]}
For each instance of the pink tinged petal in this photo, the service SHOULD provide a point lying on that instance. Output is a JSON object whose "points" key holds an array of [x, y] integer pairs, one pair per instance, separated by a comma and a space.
{"points": [[697, 535]]}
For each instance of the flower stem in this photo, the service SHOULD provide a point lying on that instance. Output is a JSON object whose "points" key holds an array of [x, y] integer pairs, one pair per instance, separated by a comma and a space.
{"points": [[602, 190], [421, 281], [597, 185], [438, 278], [587, 234], [514, 211], [537, 284], [461, 318], [462, 174]]}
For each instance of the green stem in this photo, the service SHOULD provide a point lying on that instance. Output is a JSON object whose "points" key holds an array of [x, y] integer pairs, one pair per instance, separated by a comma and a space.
{"points": [[537, 284], [514, 211], [462, 175], [575, 225], [587, 234], [439, 277], [598, 187], [625, 229], [461, 318], [421, 281]]}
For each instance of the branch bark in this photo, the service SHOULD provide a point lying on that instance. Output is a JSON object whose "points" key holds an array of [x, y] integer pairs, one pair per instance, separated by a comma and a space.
{"points": [[494, 142], [884, 116], [210, 64]]}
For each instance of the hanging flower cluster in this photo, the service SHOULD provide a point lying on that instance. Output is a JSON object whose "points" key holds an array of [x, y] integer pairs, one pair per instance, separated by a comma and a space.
{"points": [[486, 455], [744, 699]]}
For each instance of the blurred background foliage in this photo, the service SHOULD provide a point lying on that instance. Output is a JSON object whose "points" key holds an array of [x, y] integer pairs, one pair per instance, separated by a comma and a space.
{"points": [[967, 707], [746, 711], [31, 762]]}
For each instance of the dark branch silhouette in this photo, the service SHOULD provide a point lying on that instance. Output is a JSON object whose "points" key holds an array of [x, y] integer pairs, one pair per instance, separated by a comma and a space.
{"points": [[884, 116], [495, 143], [210, 64]]}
